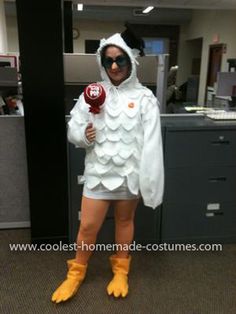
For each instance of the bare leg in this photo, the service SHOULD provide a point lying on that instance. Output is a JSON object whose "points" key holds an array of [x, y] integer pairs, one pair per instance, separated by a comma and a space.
{"points": [[93, 213], [120, 262], [124, 221]]}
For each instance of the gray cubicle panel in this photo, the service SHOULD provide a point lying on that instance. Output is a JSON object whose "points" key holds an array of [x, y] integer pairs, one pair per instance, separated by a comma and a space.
{"points": [[147, 220], [14, 188], [80, 68], [83, 68], [225, 83], [8, 76], [147, 70]]}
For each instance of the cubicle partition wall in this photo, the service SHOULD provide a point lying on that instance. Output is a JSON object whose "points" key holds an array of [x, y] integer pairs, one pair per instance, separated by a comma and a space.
{"points": [[8, 81], [82, 69], [14, 190], [79, 71]]}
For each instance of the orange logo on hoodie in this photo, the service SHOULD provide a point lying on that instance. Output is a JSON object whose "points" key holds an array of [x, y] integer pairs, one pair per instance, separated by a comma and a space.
{"points": [[131, 105]]}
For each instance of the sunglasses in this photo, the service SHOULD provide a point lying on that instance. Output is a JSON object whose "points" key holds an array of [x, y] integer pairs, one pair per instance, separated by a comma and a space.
{"points": [[121, 61]]}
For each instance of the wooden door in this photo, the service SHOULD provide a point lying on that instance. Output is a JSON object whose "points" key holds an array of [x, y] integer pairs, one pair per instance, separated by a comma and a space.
{"points": [[214, 64]]}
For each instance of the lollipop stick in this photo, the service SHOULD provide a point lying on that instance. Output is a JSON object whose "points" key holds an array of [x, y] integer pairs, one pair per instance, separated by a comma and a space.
{"points": [[91, 118]]}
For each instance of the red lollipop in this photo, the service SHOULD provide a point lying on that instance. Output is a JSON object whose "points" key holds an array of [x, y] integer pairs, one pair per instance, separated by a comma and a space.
{"points": [[94, 95]]}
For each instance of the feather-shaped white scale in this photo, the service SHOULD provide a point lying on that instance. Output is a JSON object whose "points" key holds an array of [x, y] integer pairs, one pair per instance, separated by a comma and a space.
{"points": [[112, 182]]}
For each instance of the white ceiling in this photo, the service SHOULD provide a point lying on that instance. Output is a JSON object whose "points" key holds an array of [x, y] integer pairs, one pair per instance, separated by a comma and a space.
{"points": [[172, 12], [132, 15], [183, 4]]}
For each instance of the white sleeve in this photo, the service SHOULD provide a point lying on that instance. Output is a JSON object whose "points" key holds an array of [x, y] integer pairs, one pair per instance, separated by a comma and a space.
{"points": [[78, 123], [151, 179]]}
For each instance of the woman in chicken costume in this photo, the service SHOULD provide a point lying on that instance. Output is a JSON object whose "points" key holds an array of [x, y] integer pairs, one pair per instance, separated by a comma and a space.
{"points": [[120, 130]]}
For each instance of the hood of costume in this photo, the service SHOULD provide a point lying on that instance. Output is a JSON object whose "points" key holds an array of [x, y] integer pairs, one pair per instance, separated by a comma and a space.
{"points": [[118, 41]]}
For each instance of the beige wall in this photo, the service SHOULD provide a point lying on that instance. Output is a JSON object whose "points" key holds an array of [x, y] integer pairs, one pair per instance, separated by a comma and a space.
{"points": [[205, 24], [3, 36], [94, 30], [12, 34], [88, 30]]}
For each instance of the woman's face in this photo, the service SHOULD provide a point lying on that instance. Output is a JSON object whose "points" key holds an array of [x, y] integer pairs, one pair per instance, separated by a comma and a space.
{"points": [[116, 64]]}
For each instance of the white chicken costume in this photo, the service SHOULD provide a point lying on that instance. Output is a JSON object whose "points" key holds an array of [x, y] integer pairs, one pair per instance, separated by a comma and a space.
{"points": [[127, 150]]}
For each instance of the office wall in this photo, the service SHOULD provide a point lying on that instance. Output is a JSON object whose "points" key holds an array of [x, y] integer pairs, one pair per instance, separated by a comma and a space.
{"points": [[94, 30], [88, 29], [12, 34], [205, 24]]}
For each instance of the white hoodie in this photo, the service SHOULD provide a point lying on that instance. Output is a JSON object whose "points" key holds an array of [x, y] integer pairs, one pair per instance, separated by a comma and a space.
{"points": [[128, 145]]}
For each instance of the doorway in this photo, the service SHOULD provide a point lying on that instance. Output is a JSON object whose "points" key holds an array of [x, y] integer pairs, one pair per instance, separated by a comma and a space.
{"points": [[214, 66], [214, 63]]}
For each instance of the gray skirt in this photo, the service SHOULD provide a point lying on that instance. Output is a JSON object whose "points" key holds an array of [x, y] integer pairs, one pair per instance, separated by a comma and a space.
{"points": [[102, 193]]}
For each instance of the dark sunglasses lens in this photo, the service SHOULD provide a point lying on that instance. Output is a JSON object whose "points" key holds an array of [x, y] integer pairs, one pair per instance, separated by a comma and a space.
{"points": [[107, 62], [121, 61]]}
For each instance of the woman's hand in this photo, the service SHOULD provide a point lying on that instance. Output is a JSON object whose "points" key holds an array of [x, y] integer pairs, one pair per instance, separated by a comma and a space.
{"points": [[90, 132]]}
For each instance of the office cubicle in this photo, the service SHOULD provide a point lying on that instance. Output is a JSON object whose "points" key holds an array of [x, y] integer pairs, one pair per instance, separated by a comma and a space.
{"points": [[82, 69]]}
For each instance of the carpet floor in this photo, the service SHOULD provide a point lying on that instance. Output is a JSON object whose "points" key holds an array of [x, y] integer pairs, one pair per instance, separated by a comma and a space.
{"points": [[159, 282]]}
